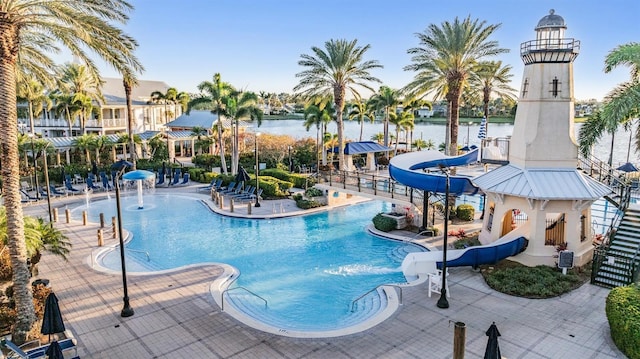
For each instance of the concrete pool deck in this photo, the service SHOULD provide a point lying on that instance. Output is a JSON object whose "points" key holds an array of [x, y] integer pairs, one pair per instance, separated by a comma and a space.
{"points": [[176, 317]]}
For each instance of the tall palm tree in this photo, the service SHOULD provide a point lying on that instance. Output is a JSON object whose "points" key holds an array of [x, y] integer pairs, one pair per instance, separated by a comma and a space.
{"points": [[358, 111], [450, 52], [319, 112], [28, 30], [86, 143], [339, 69], [386, 100], [491, 78], [32, 92], [84, 86], [620, 105], [215, 94], [401, 120], [241, 106], [66, 106]]}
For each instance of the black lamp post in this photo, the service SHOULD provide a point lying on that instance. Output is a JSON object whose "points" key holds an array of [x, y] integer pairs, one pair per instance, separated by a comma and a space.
{"points": [[121, 166], [290, 162], [443, 302], [257, 170], [35, 167], [46, 180]]}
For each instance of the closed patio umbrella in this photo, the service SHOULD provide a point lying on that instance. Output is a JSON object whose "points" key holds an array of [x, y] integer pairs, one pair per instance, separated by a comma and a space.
{"points": [[242, 175], [482, 131], [54, 351], [493, 350], [52, 320]]}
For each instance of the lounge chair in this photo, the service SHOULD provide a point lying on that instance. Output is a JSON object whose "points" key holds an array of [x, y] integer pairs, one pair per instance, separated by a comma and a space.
{"points": [[185, 180], [24, 185], [69, 187], [55, 192], [26, 197], [215, 184], [230, 188], [249, 197], [91, 186], [176, 179], [39, 352], [247, 193], [105, 182], [161, 176]]}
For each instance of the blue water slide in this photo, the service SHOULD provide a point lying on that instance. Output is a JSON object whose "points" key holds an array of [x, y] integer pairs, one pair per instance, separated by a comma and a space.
{"points": [[411, 169]]}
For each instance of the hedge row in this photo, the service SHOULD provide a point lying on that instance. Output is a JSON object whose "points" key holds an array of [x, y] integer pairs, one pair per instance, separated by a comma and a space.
{"points": [[383, 223], [623, 313], [298, 181]]}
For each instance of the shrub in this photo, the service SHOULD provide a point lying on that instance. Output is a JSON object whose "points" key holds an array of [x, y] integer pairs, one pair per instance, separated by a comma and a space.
{"points": [[465, 212], [383, 223], [463, 243], [196, 174], [623, 314], [531, 282], [298, 181], [314, 192], [8, 317], [5, 266], [306, 203], [383, 161]]}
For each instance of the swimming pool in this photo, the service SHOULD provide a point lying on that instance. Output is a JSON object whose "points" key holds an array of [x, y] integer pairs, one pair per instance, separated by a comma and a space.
{"points": [[309, 269]]}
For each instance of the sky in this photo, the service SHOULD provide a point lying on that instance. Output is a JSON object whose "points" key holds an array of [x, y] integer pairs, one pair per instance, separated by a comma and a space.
{"points": [[256, 45]]}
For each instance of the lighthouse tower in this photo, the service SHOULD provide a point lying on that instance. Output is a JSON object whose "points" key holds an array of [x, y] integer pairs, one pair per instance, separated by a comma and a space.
{"points": [[545, 116], [540, 193]]}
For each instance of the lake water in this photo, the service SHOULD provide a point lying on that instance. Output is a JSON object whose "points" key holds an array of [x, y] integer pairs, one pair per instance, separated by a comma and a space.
{"points": [[436, 133]]}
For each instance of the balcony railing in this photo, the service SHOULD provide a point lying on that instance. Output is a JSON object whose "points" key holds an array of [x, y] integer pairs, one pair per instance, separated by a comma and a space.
{"points": [[495, 150]]}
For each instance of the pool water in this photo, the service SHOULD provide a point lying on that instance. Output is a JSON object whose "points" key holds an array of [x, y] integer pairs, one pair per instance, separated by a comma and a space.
{"points": [[308, 268]]}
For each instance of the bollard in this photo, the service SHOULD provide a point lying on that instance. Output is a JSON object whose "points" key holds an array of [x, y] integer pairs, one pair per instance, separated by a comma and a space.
{"points": [[67, 213], [101, 220], [84, 218], [249, 208], [221, 202], [213, 195], [231, 205], [459, 337], [100, 238], [55, 215], [113, 228]]}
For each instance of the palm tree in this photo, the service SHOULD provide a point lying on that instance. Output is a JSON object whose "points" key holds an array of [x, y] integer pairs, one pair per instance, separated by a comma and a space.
{"points": [[215, 94], [358, 111], [31, 28], [334, 72], [319, 114], [378, 137], [491, 78], [84, 87], [31, 91], [65, 105], [400, 120], [620, 105], [386, 100], [86, 143], [241, 106], [449, 54]]}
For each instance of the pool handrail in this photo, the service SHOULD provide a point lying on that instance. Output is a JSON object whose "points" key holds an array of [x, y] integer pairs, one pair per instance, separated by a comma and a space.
{"points": [[355, 301], [243, 288], [139, 251]]}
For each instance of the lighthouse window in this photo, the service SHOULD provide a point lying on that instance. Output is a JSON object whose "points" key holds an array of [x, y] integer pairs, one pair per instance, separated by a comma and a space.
{"points": [[554, 87], [525, 88]]}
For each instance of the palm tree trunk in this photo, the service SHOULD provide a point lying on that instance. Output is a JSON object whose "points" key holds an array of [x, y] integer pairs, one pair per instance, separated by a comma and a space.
{"points": [[361, 128], [130, 121], [486, 117], [324, 150], [223, 162], [69, 120], [613, 138], [9, 157], [31, 122]]}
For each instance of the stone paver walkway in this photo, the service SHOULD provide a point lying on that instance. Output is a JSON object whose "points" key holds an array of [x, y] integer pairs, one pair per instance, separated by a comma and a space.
{"points": [[176, 317]]}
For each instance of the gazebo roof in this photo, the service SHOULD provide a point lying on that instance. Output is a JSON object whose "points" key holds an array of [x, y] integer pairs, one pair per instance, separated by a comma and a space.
{"points": [[354, 148]]}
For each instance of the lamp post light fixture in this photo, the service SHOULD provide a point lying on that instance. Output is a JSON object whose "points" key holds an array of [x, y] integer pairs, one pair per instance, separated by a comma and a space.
{"points": [[257, 170], [468, 124], [120, 167], [443, 302], [290, 162]]}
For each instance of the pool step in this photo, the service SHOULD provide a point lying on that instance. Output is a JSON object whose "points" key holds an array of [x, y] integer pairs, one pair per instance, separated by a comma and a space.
{"points": [[398, 253]]}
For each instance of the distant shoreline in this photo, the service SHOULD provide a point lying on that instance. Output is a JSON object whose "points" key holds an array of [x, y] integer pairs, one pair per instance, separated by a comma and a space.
{"points": [[436, 120]]}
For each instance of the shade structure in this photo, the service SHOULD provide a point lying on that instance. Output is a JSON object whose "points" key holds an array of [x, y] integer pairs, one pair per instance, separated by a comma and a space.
{"points": [[54, 351], [242, 175], [121, 164], [493, 350], [482, 131], [52, 320], [628, 167]]}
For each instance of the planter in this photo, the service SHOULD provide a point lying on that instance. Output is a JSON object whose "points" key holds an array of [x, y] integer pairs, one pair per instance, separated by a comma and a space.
{"points": [[401, 219]]}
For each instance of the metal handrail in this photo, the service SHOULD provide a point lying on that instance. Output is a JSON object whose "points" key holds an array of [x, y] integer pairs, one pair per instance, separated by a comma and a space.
{"points": [[139, 251], [355, 301], [243, 288]]}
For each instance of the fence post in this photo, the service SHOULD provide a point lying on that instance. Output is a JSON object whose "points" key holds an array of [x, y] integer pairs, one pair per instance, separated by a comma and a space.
{"points": [[100, 238], [459, 337], [84, 218], [101, 220], [221, 200], [249, 208], [67, 213], [55, 215], [231, 205], [113, 227]]}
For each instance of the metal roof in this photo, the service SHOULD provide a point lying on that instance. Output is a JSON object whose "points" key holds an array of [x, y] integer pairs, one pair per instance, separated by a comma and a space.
{"points": [[541, 183], [62, 143], [113, 91], [551, 20], [354, 148], [199, 118]]}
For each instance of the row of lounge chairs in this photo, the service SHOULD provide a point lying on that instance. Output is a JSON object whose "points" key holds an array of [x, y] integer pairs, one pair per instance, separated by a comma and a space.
{"points": [[235, 190]]}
